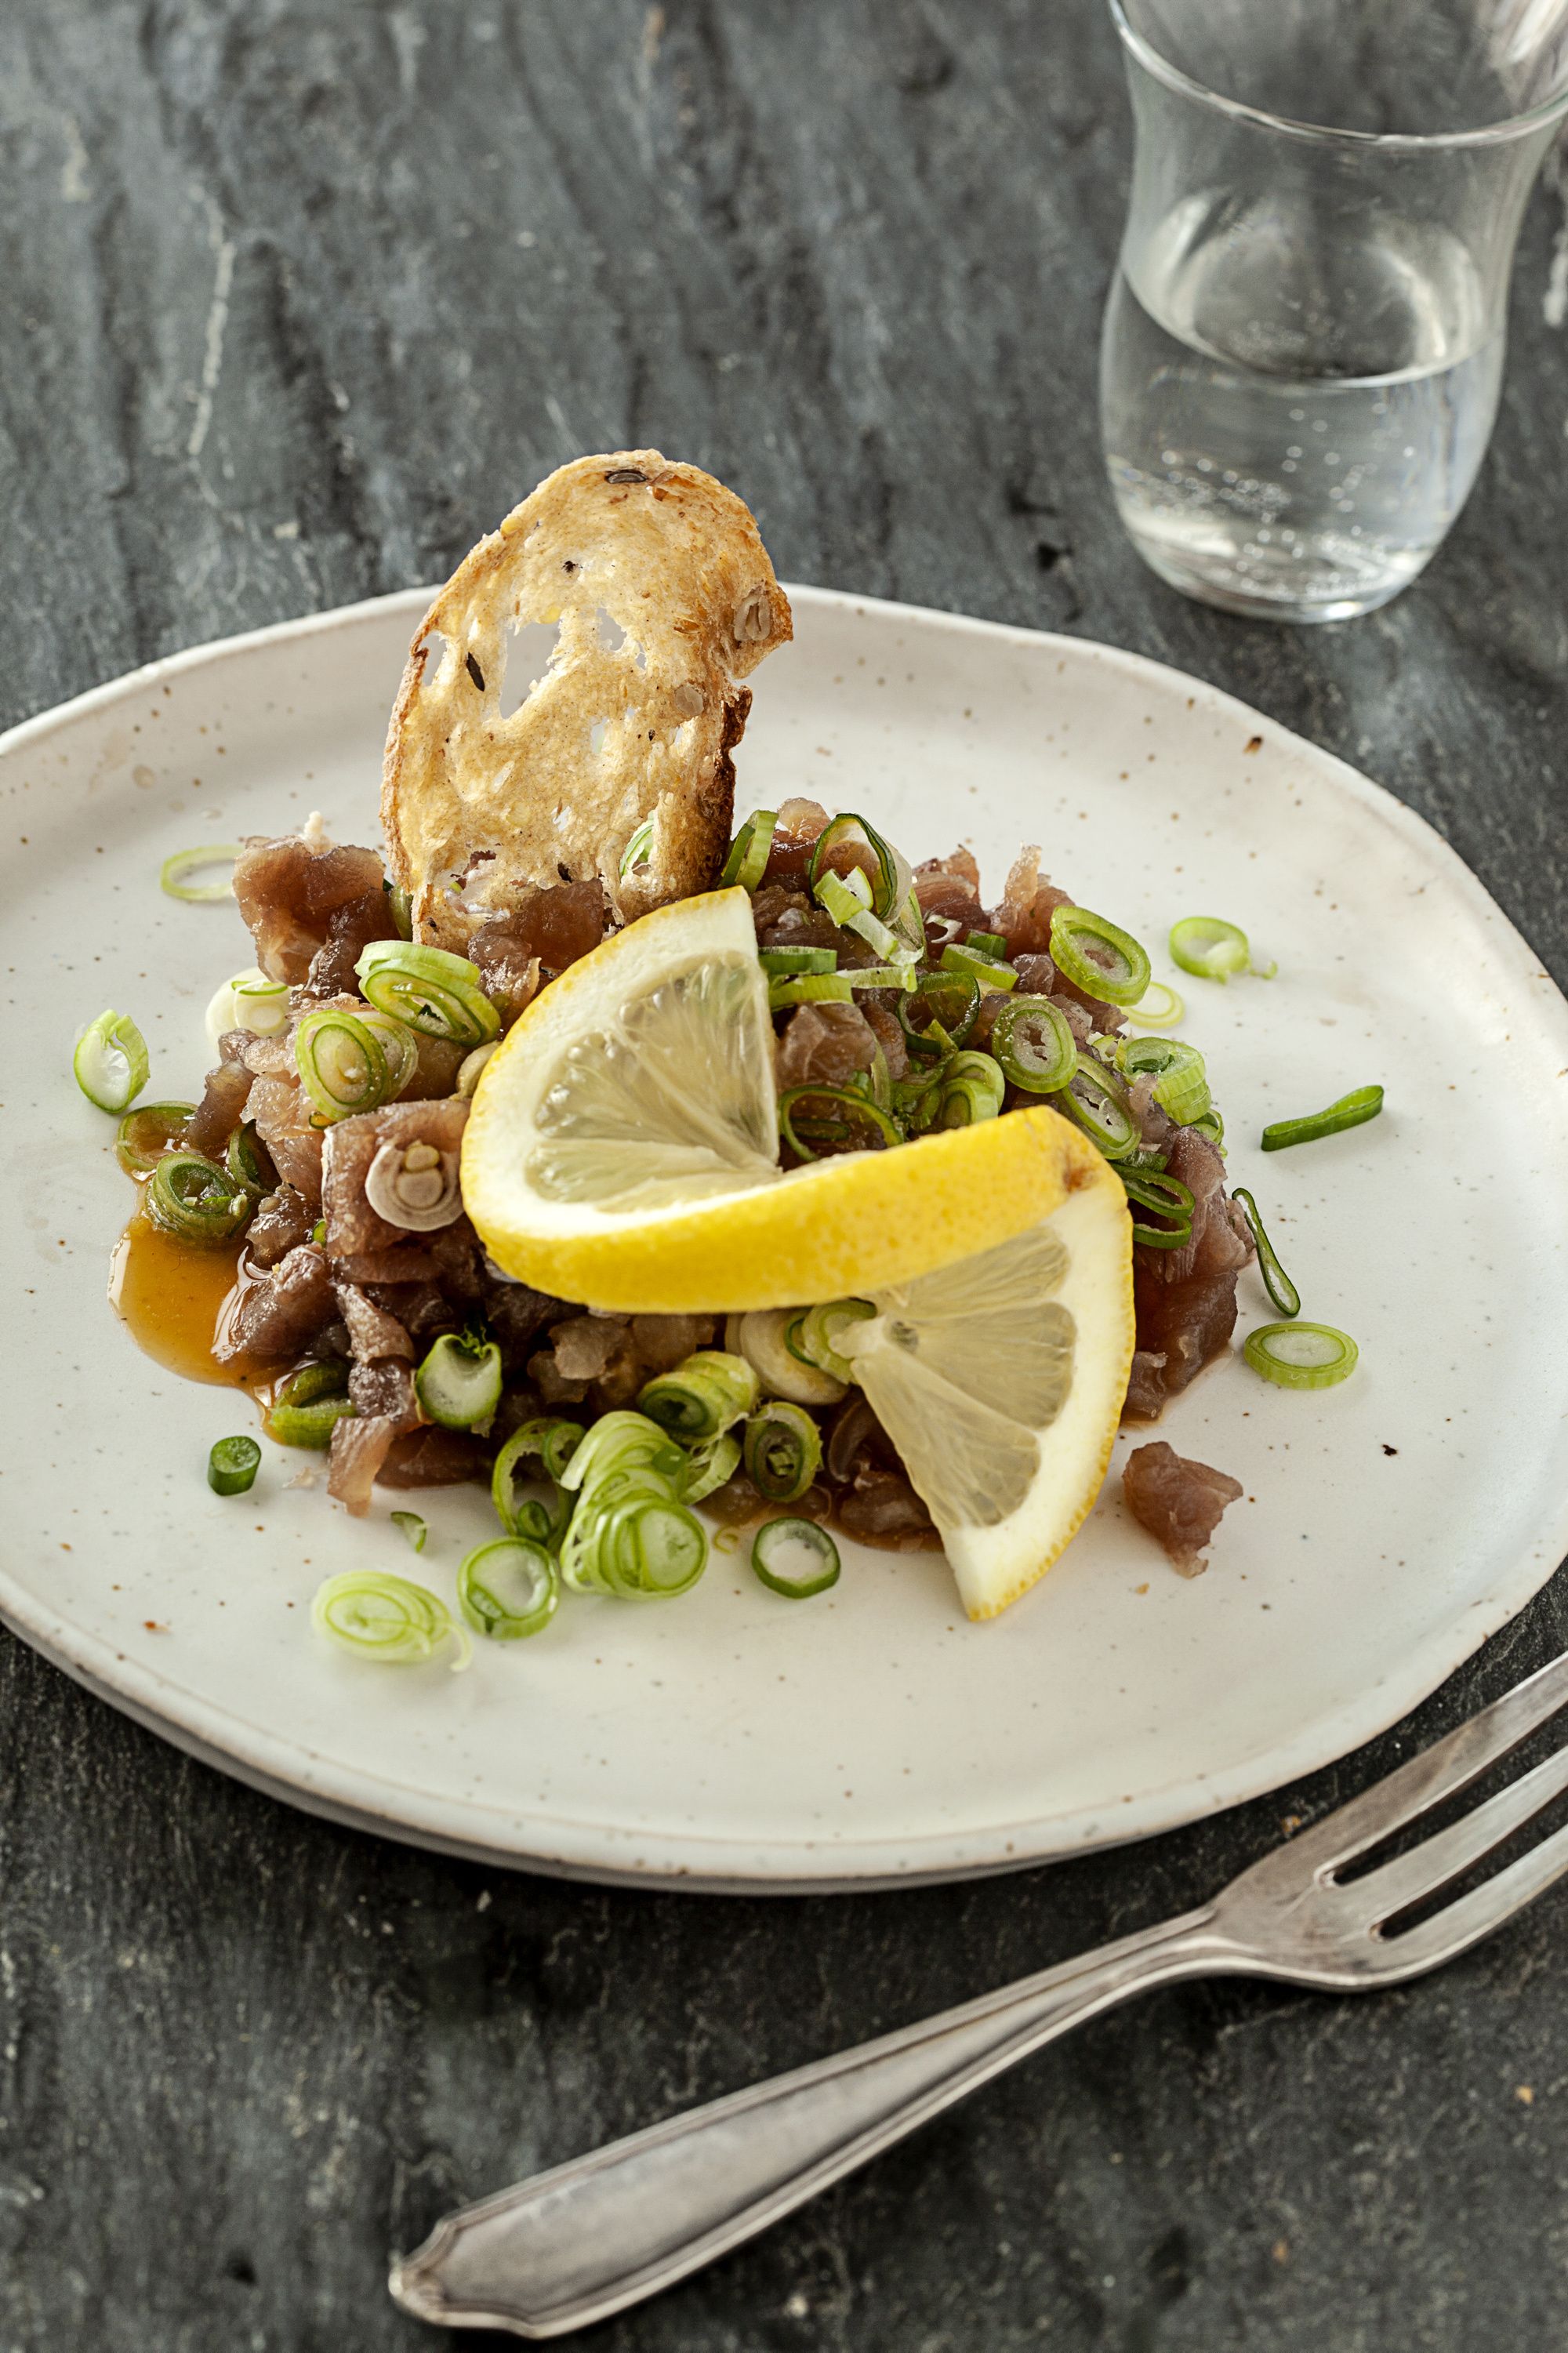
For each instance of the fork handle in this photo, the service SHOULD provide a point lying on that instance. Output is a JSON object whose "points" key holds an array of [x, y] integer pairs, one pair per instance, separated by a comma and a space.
{"points": [[584, 2241]]}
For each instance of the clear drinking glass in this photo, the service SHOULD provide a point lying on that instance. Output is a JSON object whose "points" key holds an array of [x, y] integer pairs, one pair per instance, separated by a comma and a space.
{"points": [[1304, 341]]}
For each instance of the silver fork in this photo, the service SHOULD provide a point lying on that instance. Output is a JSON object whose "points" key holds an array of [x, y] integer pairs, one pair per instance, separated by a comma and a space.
{"points": [[586, 2239]]}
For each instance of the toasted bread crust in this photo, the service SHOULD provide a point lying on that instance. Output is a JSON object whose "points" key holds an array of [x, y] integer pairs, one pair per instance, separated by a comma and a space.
{"points": [[665, 600]]}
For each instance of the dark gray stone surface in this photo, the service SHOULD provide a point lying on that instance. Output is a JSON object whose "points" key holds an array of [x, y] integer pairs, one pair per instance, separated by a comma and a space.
{"points": [[299, 296]]}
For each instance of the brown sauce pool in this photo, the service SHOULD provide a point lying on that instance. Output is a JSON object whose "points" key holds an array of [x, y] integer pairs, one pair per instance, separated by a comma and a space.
{"points": [[173, 1301]]}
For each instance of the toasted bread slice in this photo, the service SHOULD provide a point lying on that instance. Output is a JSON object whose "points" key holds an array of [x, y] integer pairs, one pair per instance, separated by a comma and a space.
{"points": [[664, 600]]}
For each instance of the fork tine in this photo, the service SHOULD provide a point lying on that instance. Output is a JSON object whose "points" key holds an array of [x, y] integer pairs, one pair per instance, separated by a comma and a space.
{"points": [[1475, 1915], [1439, 1772], [1428, 1869]]}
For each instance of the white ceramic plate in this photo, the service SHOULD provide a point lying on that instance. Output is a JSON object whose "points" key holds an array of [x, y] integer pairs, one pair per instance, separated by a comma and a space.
{"points": [[734, 1740]]}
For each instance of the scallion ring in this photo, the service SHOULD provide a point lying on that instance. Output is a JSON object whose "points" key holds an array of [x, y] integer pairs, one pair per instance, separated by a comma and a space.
{"points": [[1076, 933], [191, 1196], [551, 1445], [712, 1465], [399, 1045], [387, 1620], [111, 1061], [748, 859], [990, 944], [411, 1528], [938, 1014], [146, 1134], [987, 971], [308, 1402], [1351, 1111], [635, 852], [795, 1558], [1276, 1281], [890, 877], [1032, 1041], [400, 907], [431, 989], [973, 1088], [815, 1340], [458, 1384], [1097, 1099], [1159, 1008], [340, 1063], [702, 1397], [783, 1451], [251, 1002], [810, 989], [173, 872], [1167, 1196], [231, 1466], [793, 964], [1209, 947], [841, 1115], [616, 1444], [1301, 1356], [249, 1161], [509, 1588], [1178, 1071], [883, 975]]}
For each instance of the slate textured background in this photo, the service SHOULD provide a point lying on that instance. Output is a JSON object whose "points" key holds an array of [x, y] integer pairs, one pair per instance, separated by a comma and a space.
{"points": [[299, 296]]}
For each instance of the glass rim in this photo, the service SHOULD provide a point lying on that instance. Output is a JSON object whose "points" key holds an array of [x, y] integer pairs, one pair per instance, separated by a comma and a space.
{"points": [[1486, 134]]}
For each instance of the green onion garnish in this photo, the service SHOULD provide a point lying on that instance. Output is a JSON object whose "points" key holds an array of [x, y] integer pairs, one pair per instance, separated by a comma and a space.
{"points": [[247, 1161], [814, 1339], [748, 859], [783, 1452], [509, 1588], [231, 1466], [111, 1061], [340, 1063], [844, 1117], [400, 906], [308, 1403], [1032, 1039], [431, 989], [791, 964], [989, 971], [846, 898], [890, 886], [883, 975], [1212, 1125], [458, 1384], [1097, 1099], [1301, 1356], [711, 1465], [1351, 1111], [1122, 980], [989, 944], [703, 1396], [145, 1133], [1180, 1075], [973, 1089], [411, 1528], [630, 1534], [551, 1445], [618, 1447], [795, 1557], [810, 989], [193, 1197], [1210, 947], [1151, 1189], [635, 852], [173, 872], [1276, 1281], [1159, 1008], [940, 1014], [386, 1620], [399, 1045]]}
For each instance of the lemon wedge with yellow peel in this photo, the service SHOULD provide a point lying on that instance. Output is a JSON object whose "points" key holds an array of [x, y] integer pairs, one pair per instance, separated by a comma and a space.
{"points": [[622, 1149], [1000, 1380]]}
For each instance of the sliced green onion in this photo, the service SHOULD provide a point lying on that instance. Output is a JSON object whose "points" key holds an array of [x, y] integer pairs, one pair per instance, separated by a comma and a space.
{"points": [[1276, 1281], [1097, 1099], [651, 1548], [973, 1088], [400, 906], [892, 880], [843, 1111], [1212, 1125], [193, 1197], [329, 1378], [111, 1061], [307, 1404], [1122, 981], [712, 1465], [431, 989], [795, 1557], [231, 1466], [146, 1134], [1210, 947], [1179, 1072], [1159, 1008], [1151, 1189], [940, 1014], [1351, 1111], [883, 975], [173, 872], [847, 898], [249, 1161], [791, 964], [763, 1336], [989, 971], [815, 1342], [1032, 1041], [989, 944], [341, 1063], [748, 859], [399, 1045], [411, 1528], [702, 1397], [635, 852], [251, 1002], [386, 1619], [458, 1384], [783, 1452], [810, 989], [619, 1445], [550, 1444], [1301, 1356], [509, 1588], [319, 1233], [917, 1099]]}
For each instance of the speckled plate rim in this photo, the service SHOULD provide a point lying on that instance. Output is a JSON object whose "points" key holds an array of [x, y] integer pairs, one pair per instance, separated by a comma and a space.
{"points": [[564, 1848]]}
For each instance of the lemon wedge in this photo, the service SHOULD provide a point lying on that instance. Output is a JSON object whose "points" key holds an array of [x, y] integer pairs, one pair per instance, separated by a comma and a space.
{"points": [[622, 1149], [1000, 1380]]}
